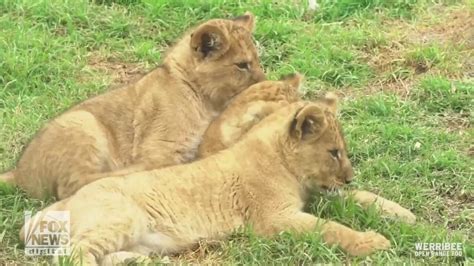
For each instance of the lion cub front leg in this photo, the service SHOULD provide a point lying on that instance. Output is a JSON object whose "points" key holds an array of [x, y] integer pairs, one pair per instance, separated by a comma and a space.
{"points": [[385, 206], [351, 241]]}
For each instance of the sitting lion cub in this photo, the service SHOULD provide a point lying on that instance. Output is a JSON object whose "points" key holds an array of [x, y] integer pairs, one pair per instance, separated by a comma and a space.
{"points": [[262, 181], [157, 121], [262, 99]]}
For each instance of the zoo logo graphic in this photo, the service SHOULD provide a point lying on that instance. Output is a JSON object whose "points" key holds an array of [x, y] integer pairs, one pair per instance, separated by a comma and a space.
{"points": [[47, 233], [438, 249]]}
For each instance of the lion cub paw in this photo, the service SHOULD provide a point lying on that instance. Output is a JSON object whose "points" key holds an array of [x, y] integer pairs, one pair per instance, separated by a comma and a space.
{"points": [[394, 210], [386, 207], [367, 243]]}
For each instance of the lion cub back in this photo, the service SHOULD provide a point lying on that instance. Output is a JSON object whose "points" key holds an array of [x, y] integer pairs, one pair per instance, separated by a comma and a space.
{"points": [[140, 126], [246, 110]]}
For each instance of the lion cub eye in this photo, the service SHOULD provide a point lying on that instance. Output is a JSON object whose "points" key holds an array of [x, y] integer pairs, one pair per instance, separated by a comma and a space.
{"points": [[243, 65], [335, 153]]}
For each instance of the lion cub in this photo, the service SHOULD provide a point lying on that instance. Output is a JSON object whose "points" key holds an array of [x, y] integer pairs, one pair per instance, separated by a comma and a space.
{"points": [[157, 121], [262, 99], [263, 180], [246, 110]]}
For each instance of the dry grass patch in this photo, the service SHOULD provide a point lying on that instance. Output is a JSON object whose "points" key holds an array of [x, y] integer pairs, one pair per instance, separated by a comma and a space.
{"points": [[121, 73], [426, 45]]}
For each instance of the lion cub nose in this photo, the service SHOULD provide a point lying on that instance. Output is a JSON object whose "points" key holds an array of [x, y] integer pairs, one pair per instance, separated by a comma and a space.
{"points": [[349, 175]]}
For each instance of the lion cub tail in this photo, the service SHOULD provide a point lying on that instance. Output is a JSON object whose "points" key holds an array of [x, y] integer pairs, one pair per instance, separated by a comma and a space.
{"points": [[8, 177]]}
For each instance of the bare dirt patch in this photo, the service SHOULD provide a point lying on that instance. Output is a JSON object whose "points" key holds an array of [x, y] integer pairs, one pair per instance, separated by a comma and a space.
{"points": [[121, 73], [441, 26], [458, 205], [470, 151], [457, 122], [206, 253], [400, 86], [455, 26]]}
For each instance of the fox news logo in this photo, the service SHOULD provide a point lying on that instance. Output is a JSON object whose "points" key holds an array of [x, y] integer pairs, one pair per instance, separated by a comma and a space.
{"points": [[47, 233]]}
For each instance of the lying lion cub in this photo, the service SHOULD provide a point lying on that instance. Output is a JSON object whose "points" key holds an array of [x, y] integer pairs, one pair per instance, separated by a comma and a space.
{"points": [[157, 121], [246, 110], [262, 181], [262, 99]]}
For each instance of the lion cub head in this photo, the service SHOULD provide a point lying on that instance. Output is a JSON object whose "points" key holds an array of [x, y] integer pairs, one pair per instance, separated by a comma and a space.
{"points": [[218, 59], [246, 110], [314, 147], [309, 142]]}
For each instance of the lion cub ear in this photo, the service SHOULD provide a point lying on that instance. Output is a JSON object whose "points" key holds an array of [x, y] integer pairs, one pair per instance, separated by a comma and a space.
{"points": [[294, 80], [209, 41], [331, 100], [309, 123], [247, 20]]}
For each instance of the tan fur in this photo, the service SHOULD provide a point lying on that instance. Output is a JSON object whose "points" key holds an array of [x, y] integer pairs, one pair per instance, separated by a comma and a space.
{"points": [[249, 107], [262, 181], [157, 121], [386, 207], [246, 110]]}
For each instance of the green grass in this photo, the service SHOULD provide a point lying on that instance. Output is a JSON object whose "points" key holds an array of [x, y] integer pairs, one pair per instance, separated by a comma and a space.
{"points": [[407, 111]]}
